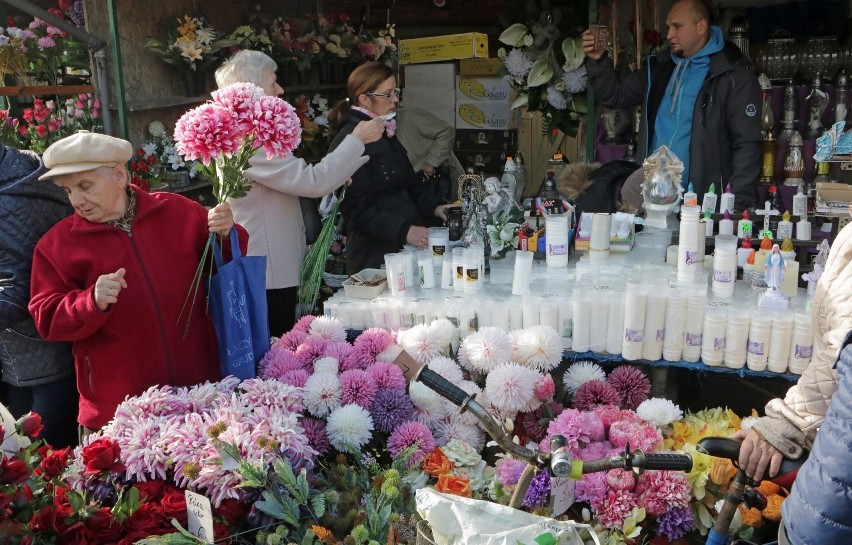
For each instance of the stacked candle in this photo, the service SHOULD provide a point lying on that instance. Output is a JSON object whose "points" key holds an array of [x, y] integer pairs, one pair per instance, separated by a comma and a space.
{"points": [[635, 303], [779, 342], [736, 338], [802, 344]]}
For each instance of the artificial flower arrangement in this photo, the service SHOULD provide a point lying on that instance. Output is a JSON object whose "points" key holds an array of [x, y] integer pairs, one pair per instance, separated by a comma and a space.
{"points": [[313, 116], [545, 68], [191, 42], [152, 163], [503, 230], [9, 130], [246, 37], [51, 120]]}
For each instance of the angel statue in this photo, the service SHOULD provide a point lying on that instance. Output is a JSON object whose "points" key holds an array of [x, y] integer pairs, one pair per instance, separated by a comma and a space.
{"points": [[497, 199]]}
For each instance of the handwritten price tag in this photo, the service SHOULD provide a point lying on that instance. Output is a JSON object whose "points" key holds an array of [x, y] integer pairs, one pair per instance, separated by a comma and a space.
{"points": [[199, 516], [561, 495]]}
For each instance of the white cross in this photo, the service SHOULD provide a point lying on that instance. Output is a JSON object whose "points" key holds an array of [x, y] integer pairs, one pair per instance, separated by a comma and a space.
{"points": [[767, 212]]}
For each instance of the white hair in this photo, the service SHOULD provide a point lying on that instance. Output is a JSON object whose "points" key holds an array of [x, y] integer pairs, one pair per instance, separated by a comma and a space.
{"points": [[245, 66]]}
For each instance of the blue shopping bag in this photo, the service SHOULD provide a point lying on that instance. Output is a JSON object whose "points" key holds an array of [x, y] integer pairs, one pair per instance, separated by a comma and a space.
{"points": [[237, 295]]}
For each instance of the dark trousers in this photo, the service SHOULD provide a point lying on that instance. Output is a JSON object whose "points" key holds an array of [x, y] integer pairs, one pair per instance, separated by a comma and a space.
{"points": [[56, 402], [281, 304]]}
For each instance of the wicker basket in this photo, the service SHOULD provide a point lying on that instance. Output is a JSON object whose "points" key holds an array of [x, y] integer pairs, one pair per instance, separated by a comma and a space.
{"points": [[334, 280], [424, 534]]}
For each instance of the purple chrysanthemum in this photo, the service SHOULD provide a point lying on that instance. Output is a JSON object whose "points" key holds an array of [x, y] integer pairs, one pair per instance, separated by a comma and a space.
{"points": [[556, 99], [277, 362], [345, 355], [594, 393], [539, 490], [631, 384], [575, 80], [304, 323], [312, 348], [358, 387], [509, 470], [291, 340], [411, 434], [294, 377], [316, 434], [535, 423], [387, 375], [370, 343], [390, 408], [676, 522]]}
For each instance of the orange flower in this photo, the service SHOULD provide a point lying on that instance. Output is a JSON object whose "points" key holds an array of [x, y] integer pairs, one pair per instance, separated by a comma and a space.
{"points": [[453, 485], [751, 517], [436, 463], [324, 534], [769, 488], [773, 508]]}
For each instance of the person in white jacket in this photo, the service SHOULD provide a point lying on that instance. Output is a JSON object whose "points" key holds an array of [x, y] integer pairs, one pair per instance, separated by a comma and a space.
{"points": [[271, 212]]}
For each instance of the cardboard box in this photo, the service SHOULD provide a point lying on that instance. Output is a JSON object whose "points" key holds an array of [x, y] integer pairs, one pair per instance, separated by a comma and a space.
{"points": [[489, 162], [487, 140], [429, 98], [480, 67], [833, 198], [443, 48], [483, 115], [482, 89], [441, 75]]}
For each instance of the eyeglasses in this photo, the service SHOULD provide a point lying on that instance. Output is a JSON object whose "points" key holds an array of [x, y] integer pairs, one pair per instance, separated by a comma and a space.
{"points": [[392, 93]]}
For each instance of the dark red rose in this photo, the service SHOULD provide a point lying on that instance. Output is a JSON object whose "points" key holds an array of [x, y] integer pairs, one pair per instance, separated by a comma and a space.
{"points": [[103, 454], [5, 501], [42, 521], [13, 471], [82, 536], [152, 159], [41, 130], [221, 533], [232, 511], [54, 463], [173, 505], [102, 524], [148, 518], [151, 490]]}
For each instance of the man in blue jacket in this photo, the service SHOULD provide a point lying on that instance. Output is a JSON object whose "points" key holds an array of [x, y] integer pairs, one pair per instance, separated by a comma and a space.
{"points": [[696, 99]]}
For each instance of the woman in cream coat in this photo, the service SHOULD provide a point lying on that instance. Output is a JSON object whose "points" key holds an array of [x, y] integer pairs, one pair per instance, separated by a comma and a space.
{"points": [[271, 212]]}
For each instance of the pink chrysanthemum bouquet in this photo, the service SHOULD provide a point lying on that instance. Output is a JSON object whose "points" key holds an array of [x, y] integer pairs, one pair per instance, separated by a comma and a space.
{"points": [[225, 133]]}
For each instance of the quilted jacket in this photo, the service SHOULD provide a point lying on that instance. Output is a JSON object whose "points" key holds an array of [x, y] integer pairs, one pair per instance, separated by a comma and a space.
{"points": [[28, 208], [791, 423]]}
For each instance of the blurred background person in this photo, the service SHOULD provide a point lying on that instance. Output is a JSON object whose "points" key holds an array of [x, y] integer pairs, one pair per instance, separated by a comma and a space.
{"points": [[385, 207], [271, 211], [113, 278], [38, 375], [429, 142]]}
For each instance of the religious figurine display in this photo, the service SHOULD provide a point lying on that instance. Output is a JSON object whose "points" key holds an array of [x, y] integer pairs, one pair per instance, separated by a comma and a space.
{"points": [[497, 199], [773, 275], [840, 108], [767, 118], [767, 212], [819, 266], [794, 164], [662, 188], [767, 162], [788, 112], [503, 220], [817, 101]]}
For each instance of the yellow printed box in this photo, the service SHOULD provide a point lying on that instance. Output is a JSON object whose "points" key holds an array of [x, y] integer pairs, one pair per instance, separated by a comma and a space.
{"points": [[443, 48], [479, 89], [483, 115], [480, 67]]}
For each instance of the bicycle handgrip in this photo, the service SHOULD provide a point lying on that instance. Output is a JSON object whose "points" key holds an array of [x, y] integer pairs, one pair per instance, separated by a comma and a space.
{"points": [[442, 386], [672, 462]]}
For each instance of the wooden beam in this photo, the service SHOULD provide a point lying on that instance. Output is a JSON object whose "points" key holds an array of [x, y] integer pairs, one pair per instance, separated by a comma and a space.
{"points": [[27, 90]]}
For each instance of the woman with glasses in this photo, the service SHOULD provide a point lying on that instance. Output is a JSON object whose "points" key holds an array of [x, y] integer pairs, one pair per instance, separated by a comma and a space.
{"points": [[385, 207]]}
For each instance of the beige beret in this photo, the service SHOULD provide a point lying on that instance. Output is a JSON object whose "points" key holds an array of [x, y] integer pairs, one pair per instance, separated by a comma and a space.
{"points": [[84, 151]]}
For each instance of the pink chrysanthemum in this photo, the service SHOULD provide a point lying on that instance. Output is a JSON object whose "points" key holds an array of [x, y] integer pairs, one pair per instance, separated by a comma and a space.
{"points": [[272, 394], [619, 479], [639, 435], [485, 350], [291, 340], [311, 349], [387, 375], [631, 384], [303, 324], [277, 362], [591, 488], [315, 432], [509, 471], [447, 368], [358, 387], [596, 450], [344, 354], [510, 386], [294, 377], [544, 387], [411, 434], [611, 413], [574, 426], [535, 422], [207, 132], [369, 344], [240, 99], [663, 490], [328, 328], [538, 347], [276, 127], [322, 393], [614, 508], [594, 393]]}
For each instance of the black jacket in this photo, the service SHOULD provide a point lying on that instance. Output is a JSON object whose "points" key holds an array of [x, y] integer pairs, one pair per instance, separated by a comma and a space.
{"points": [[726, 139], [383, 202], [28, 208]]}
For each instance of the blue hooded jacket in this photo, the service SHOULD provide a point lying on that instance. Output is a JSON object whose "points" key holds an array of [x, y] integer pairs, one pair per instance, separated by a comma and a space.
{"points": [[673, 125]]}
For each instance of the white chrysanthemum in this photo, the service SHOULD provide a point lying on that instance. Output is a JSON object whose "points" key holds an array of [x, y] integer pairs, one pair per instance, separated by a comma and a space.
{"points": [[497, 413], [446, 333], [580, 373], [538, 347], [349, 426], [556, 98], [447, 368], [471, 388], [748, 422], [328, 328], [517, 63], [389, 354], [485, 349], [575, 80], [422, 342], [322, 393], [659, 412], [510, 386], [326, 364], [424, 398]]}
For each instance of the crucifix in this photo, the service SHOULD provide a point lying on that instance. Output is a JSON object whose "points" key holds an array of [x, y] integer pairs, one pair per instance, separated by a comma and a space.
{"points": [[767, 213]]}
